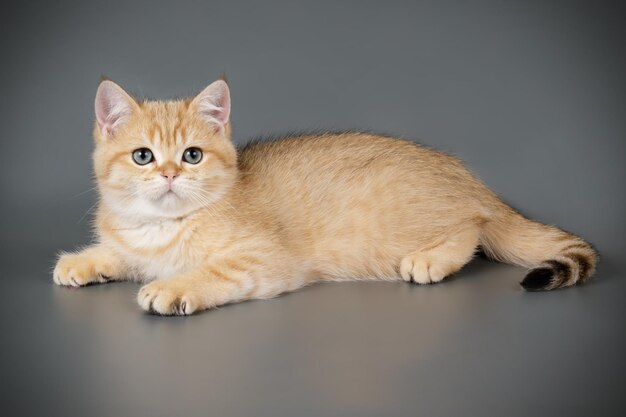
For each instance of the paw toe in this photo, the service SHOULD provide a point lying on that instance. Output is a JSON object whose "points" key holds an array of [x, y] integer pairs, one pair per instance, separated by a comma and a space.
{"points": [[419, 269], [75, 270], [414, 269], [161, 298], [436, 274]]}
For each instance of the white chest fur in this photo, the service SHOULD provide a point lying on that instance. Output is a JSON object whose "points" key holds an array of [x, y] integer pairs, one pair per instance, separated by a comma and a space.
{"points": [[158, 250]]}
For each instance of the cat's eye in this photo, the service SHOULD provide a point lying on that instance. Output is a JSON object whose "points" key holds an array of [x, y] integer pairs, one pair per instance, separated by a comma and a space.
{"points": [[143, 156], [192, 155]]}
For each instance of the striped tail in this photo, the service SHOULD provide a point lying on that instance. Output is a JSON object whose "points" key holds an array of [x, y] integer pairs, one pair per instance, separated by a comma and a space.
{"points": [[557, 258]]}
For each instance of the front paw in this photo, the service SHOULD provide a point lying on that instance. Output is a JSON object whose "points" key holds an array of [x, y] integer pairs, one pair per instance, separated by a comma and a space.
{"points": [[174, 297], [80, 269]]}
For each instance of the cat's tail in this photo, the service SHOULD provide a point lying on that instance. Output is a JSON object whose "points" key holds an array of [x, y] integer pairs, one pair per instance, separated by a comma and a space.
{"points": [[557, 258]]}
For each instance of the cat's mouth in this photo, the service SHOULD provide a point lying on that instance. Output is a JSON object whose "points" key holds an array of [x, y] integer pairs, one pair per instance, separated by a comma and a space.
{"points": [[168, 196]]}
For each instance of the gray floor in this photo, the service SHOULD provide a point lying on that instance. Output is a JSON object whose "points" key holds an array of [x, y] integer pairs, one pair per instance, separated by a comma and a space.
{"points": [[475, 345], [531, 94]]}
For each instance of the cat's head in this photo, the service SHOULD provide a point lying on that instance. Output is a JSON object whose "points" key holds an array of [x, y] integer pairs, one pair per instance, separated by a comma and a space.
{"points": [[163, 158]]}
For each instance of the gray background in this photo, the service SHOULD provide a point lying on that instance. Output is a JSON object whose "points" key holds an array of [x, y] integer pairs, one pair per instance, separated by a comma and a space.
{"points": [[531, 94]]}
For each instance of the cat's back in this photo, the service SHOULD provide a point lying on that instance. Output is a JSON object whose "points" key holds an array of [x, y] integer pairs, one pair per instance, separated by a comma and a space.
{"points": [[346, 156], [321, 143], [333, 151], [338, 167]]}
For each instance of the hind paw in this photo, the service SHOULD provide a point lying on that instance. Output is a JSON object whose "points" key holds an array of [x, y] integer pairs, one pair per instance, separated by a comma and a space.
{"points": [[421, 269]]}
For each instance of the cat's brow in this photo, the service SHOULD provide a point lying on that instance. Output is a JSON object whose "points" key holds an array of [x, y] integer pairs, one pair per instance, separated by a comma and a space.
{"points": [[156, 133]]}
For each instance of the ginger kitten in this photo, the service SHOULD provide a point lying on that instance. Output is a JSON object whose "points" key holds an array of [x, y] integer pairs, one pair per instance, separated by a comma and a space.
{"points": [[202, 225]]}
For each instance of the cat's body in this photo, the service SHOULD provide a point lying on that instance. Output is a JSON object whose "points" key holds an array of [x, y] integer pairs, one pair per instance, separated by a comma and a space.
{"points": [[352, 205], [286, 213]]}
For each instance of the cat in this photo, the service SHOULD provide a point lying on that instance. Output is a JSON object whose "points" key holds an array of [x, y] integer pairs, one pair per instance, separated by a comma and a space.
{"points": [[201, 224]]}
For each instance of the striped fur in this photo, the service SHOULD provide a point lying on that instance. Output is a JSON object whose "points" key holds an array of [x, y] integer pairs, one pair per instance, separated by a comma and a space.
{"points": [[559, 259]]}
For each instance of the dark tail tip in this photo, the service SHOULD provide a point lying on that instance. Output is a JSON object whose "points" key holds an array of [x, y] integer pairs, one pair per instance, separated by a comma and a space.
{"points": [[538, 279], [555, 274]]}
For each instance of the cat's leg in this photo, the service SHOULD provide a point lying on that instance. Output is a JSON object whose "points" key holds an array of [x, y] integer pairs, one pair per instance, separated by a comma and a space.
{"points": [[434, 264], [96, 264], [219, 282]]}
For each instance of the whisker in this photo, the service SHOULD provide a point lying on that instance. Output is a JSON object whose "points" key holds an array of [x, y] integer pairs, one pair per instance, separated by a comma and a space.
{"points": [[83, 192], [87, 212]]}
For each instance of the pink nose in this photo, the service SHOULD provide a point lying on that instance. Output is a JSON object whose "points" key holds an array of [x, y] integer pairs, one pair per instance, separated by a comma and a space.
{"points": [[170, 175]]}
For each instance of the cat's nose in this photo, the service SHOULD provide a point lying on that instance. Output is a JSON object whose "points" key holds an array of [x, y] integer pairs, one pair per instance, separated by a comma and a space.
{"points": [[170, 174]]}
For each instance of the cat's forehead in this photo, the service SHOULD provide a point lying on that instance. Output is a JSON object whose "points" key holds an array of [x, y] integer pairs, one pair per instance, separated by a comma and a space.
{"points": [[167, 122], [170, 109]]}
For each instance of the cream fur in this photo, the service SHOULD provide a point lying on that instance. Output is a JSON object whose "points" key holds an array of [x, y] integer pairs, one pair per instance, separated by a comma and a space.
{"points": [[279, 215]]}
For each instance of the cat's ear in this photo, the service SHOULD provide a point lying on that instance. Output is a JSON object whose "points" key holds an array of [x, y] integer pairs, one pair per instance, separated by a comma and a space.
{"points": [[213, 104], [113, 107]]}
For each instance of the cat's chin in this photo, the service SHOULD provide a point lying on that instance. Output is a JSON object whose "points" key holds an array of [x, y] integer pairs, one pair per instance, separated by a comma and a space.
{"points": [[168, 206], [169, 199]]}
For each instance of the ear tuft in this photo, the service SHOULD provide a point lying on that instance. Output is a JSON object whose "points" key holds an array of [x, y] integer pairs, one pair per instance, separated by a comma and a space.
{"points": [[113, 106], [213, 104]]}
